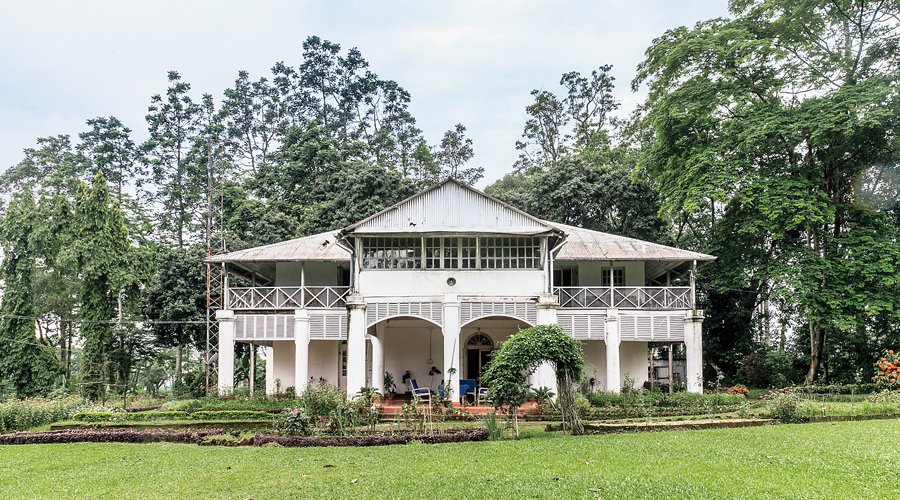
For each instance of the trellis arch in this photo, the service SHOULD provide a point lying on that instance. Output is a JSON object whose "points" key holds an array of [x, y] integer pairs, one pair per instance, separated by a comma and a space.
{"points": [[506, 376]]}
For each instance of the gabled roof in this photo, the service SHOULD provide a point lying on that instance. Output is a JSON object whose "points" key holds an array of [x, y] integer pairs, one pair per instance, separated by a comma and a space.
{"points": [[586, 244], [450, 207]]}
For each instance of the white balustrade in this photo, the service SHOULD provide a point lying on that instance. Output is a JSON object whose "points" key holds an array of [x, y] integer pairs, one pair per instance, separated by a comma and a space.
{"points": [[287, 297], [625, 297]]}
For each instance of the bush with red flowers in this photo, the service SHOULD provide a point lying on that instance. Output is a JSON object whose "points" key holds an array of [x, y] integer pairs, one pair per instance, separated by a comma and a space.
{"points": [[887, 371]]}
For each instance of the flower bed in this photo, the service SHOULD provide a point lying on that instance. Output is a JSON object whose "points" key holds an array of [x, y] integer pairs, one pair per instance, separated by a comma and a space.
{"points": [[108, 436], [385, 439]]}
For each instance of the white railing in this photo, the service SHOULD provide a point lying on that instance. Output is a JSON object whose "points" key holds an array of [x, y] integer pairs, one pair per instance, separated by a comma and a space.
{"points": [[625, 297], [288, 297]]}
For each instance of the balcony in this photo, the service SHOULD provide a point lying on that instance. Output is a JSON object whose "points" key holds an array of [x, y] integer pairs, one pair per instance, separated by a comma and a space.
{"points": [[287, 297], [627, 297]]}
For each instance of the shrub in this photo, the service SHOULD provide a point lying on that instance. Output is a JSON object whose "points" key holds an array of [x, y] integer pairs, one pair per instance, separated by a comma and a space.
{"points": [[293, 423], [184, 405], [783, 404], [887, 371], [108, 436], [459, 436], [19, 414], [231, 415], [322, 400]]}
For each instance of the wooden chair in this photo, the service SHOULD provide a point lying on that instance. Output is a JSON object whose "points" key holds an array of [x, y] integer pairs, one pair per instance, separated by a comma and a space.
{"points": [[424, 393]]}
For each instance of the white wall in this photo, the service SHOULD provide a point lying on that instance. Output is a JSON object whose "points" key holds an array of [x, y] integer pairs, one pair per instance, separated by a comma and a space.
{"points": [[323, 360], [633, 360], [283, 363], [589, 272], [406, 347], [406, 282], [317, 273]]}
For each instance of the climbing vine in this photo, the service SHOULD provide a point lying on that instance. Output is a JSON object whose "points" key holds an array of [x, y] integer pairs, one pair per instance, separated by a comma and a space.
{"points": [[506, 376]]}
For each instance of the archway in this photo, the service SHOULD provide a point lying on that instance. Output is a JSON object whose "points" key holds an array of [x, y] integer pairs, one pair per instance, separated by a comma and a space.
{"points": [[478, 348]]}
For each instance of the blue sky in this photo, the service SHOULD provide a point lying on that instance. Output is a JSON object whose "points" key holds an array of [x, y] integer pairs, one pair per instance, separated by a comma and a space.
{"points": [[470, 62]]}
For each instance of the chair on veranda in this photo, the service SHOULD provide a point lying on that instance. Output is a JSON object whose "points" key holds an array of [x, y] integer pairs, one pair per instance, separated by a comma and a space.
{"points": [[481, 397], [424, 393]]}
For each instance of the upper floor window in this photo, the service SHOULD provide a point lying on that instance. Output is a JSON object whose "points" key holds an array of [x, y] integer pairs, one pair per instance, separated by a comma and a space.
{"points": [[618, 277], [392, 253], [451, 252], [510, 253]]}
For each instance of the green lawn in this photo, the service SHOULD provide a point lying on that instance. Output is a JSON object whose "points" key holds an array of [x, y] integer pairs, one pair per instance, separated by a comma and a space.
{"points": [[833, 460]]}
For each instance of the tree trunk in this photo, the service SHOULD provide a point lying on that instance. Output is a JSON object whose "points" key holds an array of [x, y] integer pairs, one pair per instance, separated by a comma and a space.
{"points": [[178, 352], [817, 343]]}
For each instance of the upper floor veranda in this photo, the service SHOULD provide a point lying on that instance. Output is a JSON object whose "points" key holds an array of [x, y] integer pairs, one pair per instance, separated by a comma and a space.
{"points": [[454, 240]]}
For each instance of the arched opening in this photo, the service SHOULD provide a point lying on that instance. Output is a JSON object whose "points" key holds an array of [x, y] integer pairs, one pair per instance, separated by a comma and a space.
{"points": [[478, 354]]}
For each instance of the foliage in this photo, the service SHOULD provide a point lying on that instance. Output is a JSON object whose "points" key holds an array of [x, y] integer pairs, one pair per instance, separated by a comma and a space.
{"points": [[506, 375], [293, 422], [460, 436], [389, 385], [738, 389], [322, 400], [758, 130], [887, 371], [493, 428], [25, 361], [20, 414], [109, 436], [783, 404]]}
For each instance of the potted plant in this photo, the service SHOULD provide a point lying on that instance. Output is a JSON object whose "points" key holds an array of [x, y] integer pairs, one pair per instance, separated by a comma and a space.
{"points": [[389, 387], [405, 378]]}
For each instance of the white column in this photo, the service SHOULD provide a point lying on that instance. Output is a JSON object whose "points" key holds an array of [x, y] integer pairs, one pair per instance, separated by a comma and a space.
{"points": [[226, 350], [545, 374], [693, 346], [301, 350], [270, 370], [613, 340], [451, 343], [356, 344], [378, 358]]}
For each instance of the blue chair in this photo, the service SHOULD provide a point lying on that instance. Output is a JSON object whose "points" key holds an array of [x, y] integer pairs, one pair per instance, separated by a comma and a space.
{"points": [[424, 393], [466, 387]]}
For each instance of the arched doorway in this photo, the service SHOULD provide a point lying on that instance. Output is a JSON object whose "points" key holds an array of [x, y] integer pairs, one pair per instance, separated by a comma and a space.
{"points": [[478, 354]]}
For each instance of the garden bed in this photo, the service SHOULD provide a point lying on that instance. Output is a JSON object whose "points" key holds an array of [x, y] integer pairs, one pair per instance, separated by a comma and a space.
{"points": [[211, 437]]}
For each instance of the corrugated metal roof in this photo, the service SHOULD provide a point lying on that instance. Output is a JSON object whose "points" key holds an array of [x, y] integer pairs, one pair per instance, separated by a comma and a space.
{"points": [[318, 247], [453, 207], [585, 244]]}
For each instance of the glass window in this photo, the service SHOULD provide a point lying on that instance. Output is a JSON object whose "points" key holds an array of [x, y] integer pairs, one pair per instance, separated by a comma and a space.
{"points": [[618, 277], [392, 253], [510, 253]]}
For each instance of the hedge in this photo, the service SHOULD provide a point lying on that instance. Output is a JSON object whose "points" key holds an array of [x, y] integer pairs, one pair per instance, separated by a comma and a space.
{"points": [[232, 415], [108, 436], [142, 416], [460, 436]]}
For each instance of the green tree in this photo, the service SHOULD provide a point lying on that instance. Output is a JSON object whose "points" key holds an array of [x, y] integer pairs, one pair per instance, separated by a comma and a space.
{"points": [[26, 362], [762, 123], [178, 182], [101, 250], [108, 147], [174, 301], [456, 150]]}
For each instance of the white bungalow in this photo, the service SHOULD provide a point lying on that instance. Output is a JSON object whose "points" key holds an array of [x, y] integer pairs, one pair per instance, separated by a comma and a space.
{"points": [[442, 279]]}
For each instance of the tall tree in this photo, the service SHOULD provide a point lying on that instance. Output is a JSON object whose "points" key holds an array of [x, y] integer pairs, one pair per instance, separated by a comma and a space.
{"points": [[456, 150], [173, 124], [255, 119], [768, 119], [109, 148], [100, 247], [175, 297], [26, 362]]}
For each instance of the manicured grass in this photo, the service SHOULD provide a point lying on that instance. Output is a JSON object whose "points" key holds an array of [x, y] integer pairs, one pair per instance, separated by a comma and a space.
{"points": [[833, 460]]}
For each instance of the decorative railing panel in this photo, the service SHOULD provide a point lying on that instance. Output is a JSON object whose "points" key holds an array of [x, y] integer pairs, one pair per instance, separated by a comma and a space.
{"points": [[288, 297], [470, 311], [378, 311], [651, 327], [627, 297]]}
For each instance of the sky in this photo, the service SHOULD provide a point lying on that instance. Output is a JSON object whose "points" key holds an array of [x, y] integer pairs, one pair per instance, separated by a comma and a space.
{"points": [[469, 62]]}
